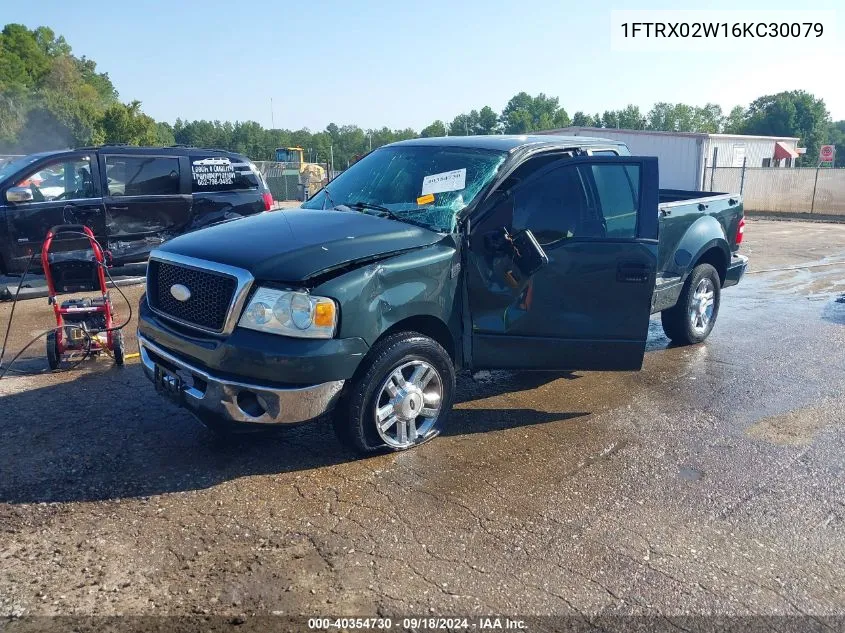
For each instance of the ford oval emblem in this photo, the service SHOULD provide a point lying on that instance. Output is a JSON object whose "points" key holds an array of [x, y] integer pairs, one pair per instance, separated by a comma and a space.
{"points": [[180, 292]]}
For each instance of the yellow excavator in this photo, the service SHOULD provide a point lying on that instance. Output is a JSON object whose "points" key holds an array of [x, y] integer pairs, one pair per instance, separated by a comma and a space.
{"points": [[311, 176]]}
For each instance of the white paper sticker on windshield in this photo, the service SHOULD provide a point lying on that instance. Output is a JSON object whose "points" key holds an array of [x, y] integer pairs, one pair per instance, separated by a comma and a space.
{"points": [[445, 181]]}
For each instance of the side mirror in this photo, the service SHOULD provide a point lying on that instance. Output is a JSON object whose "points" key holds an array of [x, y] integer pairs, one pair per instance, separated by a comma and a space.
{"points": [[529, 256], [19, 194]]}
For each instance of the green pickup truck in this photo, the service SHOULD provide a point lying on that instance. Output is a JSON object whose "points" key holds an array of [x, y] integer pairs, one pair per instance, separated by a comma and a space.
{"points": [[425, 257]]}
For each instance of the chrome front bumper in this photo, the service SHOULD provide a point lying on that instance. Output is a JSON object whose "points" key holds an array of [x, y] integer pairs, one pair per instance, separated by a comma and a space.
{"points": [[207, 396]]}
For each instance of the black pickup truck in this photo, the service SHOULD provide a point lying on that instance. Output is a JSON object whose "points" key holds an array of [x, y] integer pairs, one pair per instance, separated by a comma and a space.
{"points": [[427, 256]]}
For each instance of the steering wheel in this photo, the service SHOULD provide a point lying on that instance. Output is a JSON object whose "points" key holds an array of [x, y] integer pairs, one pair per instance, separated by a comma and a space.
{"points": [[37, 195]]}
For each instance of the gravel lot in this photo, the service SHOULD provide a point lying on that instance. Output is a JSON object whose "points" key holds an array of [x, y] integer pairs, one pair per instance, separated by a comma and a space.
{"points": [[711, 482]]}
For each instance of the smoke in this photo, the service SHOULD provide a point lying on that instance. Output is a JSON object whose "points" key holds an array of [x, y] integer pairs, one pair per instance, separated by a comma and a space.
{"points": [[41, 132]]}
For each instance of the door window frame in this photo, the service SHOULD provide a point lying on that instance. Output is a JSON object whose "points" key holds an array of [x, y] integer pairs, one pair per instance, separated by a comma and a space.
{"points": [[182, 161], [643, 227], [34, 168]]}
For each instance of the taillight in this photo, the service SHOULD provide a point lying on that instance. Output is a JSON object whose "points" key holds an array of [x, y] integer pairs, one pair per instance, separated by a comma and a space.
{"points": [[740, 231], [268, 200]]}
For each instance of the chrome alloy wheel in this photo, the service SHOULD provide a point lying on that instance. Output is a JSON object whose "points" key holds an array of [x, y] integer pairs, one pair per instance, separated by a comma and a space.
{"points": [[408, 404], [701, 305]]}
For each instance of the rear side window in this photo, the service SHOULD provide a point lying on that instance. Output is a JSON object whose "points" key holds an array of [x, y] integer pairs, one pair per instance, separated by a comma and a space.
{"points": [[618, 189], [142, 175], [220, 173]]}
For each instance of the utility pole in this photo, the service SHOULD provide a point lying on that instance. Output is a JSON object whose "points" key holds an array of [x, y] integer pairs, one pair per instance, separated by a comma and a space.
{"points": [[272, 117], [331, 154], [370, 134]]}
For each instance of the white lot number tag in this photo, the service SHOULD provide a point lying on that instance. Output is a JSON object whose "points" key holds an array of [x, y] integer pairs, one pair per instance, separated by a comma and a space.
{"points": [[445, 181]]}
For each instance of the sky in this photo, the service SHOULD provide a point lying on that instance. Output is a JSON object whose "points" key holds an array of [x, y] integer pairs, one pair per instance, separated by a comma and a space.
{"points": [[406, 64]]}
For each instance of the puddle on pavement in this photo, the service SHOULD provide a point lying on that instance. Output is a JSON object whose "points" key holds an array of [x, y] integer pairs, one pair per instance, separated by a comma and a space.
{"points": [[816, 283], [794, 428], [834, 311]]}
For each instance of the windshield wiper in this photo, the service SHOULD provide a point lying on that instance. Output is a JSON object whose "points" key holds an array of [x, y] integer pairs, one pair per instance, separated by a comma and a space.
{"points": [[360, 206], [327, 197]]}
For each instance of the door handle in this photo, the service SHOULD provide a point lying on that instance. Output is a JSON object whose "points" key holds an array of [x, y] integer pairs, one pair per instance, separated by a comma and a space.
{"points": [[77, 208], [632, 273], [113, 208]]}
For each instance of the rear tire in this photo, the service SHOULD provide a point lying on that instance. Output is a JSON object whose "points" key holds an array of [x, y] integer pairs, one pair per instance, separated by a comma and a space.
{"points": [[54, 357], [400, 396], [118, 347], [691, 320]]}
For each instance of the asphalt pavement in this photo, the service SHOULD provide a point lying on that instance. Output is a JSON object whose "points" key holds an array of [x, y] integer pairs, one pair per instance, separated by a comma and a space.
{"points": [[710, 482]]}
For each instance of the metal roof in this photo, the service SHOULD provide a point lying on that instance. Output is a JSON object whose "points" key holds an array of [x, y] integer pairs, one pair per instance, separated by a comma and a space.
{"points": [[508, 143], [575, 129]]}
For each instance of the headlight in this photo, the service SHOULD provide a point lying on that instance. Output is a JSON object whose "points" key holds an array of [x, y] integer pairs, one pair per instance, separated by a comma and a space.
{"points": [[289, 313]]}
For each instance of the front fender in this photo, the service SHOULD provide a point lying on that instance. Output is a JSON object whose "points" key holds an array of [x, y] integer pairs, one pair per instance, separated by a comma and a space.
{"points": [[379, 295], [705, 233]]}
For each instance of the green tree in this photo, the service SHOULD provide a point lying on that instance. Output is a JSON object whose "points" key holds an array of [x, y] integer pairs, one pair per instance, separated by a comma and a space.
{"points": [[488, 121], [464, 124], [580, 119], [734, 123], [48, 42], [631, 118], [561, 119], [49, 99], [125, 123], [610, 119], [708, 119], [674, 117], [524, 113], [13, 113], [99, 81], [791, 113], [164, 134], [23, 60], [438, 128]]}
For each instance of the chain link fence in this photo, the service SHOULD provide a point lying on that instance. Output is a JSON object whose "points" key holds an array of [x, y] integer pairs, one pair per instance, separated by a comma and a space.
{"points": [[782, 190], [292, 181]]}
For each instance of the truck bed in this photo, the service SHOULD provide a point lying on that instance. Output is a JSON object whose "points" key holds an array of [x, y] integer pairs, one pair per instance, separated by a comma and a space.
{"points": [[667, 196], [716, 217]]}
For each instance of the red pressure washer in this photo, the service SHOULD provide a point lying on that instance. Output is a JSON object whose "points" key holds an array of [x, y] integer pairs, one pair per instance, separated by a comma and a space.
{"points": [[82, 325]]}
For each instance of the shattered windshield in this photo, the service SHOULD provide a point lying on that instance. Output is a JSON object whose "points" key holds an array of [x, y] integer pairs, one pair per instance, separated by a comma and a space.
{"points": [[427, 185]]}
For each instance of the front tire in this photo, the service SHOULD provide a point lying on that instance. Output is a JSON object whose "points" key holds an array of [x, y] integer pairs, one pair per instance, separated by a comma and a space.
{"points": [[400, 397], [118, 347], [691, 320], [54, 356]]}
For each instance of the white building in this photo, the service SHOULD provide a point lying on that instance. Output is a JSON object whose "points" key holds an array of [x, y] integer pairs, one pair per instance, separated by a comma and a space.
{"points": [[684, 156]]}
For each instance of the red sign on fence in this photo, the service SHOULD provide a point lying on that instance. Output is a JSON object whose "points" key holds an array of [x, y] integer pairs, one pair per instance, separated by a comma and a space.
{"points": [[826, 153]]}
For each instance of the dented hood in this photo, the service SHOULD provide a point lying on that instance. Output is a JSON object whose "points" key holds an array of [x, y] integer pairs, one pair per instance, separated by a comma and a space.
{"points": [[296, 244]]}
